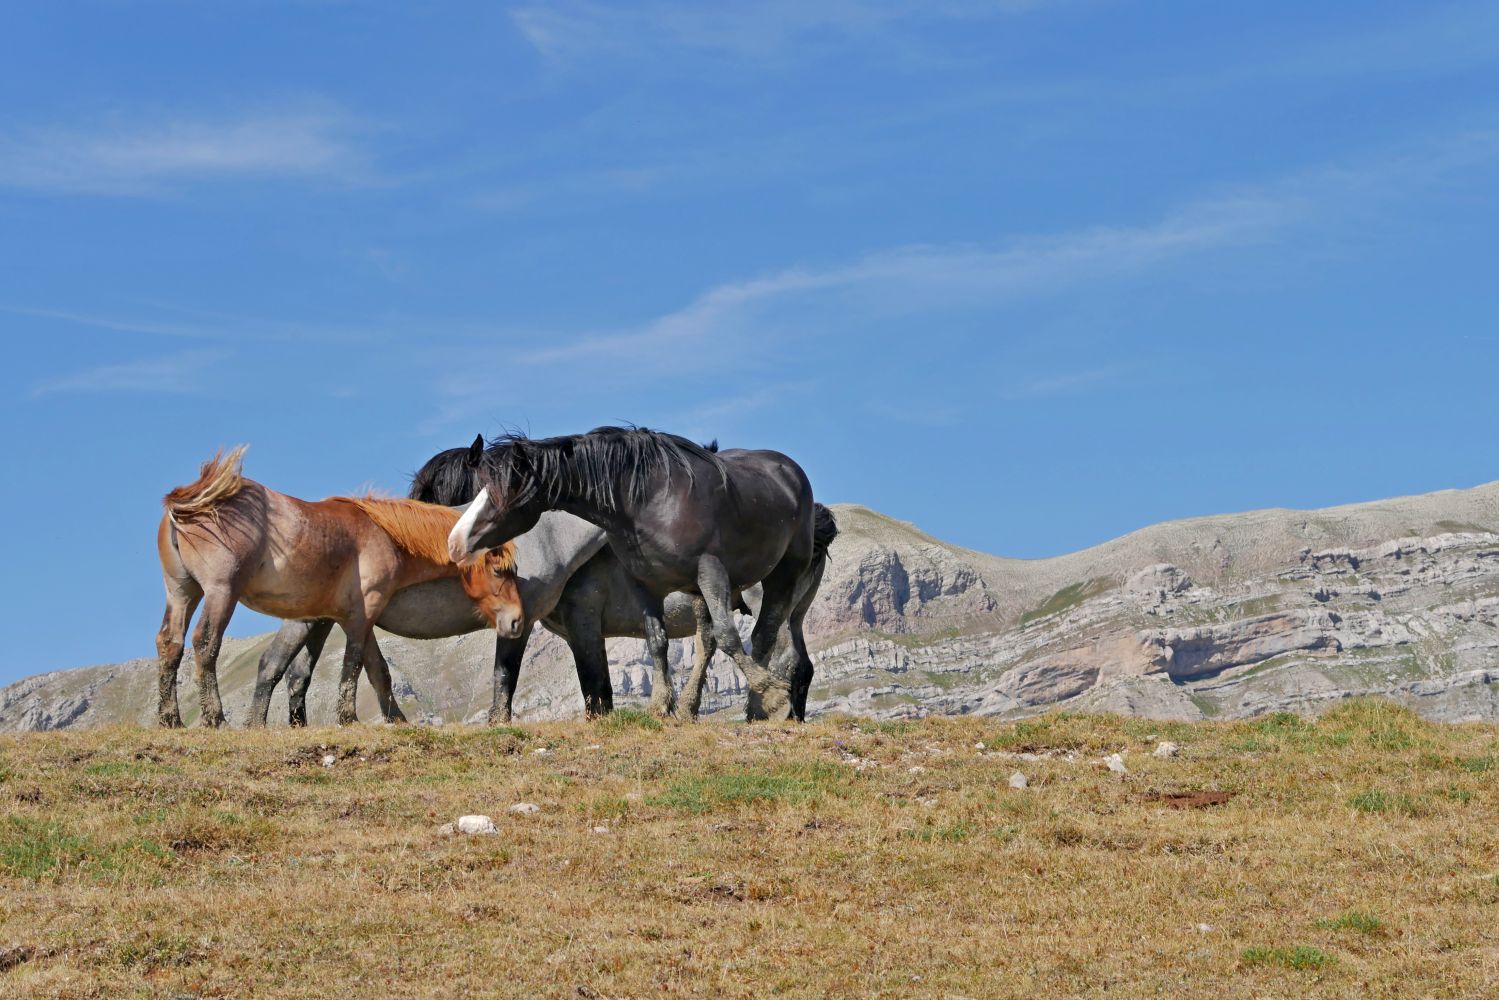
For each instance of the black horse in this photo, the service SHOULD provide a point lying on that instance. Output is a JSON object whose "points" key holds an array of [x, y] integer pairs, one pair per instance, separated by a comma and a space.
{"points": [[596, 600], [680, 518]]}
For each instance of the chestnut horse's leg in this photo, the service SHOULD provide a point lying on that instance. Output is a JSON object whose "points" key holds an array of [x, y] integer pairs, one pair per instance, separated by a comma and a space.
{"points": [[707, 645], [207, 641], [183, 596], [357, 633], [379, 673], [299, 677]]}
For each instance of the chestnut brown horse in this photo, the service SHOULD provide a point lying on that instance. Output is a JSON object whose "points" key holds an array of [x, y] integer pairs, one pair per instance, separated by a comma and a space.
{"points": [[227, 540]]}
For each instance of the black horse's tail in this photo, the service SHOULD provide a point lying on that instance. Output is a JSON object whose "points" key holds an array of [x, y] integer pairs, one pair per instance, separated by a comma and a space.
{"points": [[824, 530]]}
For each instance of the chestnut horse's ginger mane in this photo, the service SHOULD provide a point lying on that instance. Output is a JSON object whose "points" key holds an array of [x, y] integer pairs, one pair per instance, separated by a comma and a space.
{"points": [[422, 529], [219, 479]]}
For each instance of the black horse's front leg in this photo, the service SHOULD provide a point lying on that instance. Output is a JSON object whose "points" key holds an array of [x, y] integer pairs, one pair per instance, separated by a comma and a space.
{"points": [[582, 622], [508, 654]]}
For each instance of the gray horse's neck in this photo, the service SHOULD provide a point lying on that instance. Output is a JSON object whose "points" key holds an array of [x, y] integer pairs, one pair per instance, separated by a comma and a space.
{"points": [[549, 554]]}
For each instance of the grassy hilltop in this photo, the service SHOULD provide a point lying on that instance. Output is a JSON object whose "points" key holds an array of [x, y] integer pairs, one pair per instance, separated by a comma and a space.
{"points": [[1356, 855]]}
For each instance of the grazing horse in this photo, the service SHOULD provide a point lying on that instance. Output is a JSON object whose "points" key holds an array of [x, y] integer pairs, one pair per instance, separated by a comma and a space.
{"points": [[679, 518], [569, 581], [225, 540]]}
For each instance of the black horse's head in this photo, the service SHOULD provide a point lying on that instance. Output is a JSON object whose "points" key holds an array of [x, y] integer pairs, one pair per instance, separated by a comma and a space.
{"points": [[510, 497]]}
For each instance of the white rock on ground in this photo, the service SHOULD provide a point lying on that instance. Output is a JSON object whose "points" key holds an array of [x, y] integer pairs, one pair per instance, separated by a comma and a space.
{"points": [[476, 825], [329, 760], [525, 809], [1116, 764], [1018, 780], [1166, 749]]}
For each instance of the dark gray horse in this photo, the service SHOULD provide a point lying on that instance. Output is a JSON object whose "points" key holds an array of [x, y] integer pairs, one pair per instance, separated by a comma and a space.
{"points": [[569, 580], [680, 518]]}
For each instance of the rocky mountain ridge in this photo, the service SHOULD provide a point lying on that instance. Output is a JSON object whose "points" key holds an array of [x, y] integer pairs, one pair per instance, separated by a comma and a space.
{"points": [[1221, 616]]}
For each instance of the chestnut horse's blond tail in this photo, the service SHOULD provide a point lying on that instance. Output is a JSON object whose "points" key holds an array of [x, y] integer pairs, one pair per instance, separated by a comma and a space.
{"points": [[219, 479]]}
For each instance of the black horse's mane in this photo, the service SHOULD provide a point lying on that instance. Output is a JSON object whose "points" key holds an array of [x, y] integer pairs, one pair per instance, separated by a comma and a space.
{"points": [[609, 467], [446, 479]]}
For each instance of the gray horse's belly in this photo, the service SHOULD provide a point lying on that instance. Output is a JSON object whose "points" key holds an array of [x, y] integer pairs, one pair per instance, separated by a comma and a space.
{"points": [[434, 610]]}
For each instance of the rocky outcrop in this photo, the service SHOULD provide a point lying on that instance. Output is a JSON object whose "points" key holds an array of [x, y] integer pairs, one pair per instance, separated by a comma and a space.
{"points": [[1213, 617]]}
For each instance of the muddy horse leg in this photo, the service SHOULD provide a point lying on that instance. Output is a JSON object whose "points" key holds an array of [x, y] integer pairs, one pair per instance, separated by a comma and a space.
{"points": [[183, 596], [356, 633], [379, 673], [208, 640], [663, 691], [289, 640], [769, 692], [706, 646], [299, 676], [771, 674]]}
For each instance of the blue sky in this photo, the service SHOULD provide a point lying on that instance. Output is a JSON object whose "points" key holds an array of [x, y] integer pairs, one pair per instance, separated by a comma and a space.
{"points": [[1030, 274]]}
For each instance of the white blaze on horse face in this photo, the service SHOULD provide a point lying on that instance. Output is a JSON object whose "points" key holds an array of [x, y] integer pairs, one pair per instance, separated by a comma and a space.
{"points": [[458, 538]]}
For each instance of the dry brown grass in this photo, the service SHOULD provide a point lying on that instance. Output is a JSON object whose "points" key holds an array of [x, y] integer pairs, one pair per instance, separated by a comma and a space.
{"points": [[1355, 856]]}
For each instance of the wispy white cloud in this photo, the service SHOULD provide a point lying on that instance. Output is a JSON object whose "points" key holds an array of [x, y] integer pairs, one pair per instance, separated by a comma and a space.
{"points": [[184, 372], [920, 276], [1061, 383], [109, 323], [568, 29], [147, 156], [925, 278]]}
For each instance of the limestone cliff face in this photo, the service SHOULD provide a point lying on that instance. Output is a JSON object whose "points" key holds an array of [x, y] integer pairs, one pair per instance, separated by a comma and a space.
{"points": [[1223, 616]]}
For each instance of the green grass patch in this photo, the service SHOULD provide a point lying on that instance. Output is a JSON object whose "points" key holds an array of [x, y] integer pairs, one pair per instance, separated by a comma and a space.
{"points": [[1068, 597], [129, 769], [1301, 957], [624, 719], [891, 727], [705, 793], [1354, 920], [951, 833], [36, 850], [514, 732], [1383, 802]]}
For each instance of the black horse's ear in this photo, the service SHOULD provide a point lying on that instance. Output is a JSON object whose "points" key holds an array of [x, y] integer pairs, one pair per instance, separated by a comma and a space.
{"points": [[475, 452]]}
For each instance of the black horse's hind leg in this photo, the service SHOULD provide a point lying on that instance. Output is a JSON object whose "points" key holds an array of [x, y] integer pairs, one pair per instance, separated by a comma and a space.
{"points": [[707, 645], [663, 691], [272, 667], [507, 659], [801, 682], [299, 675], [770, 675]]}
